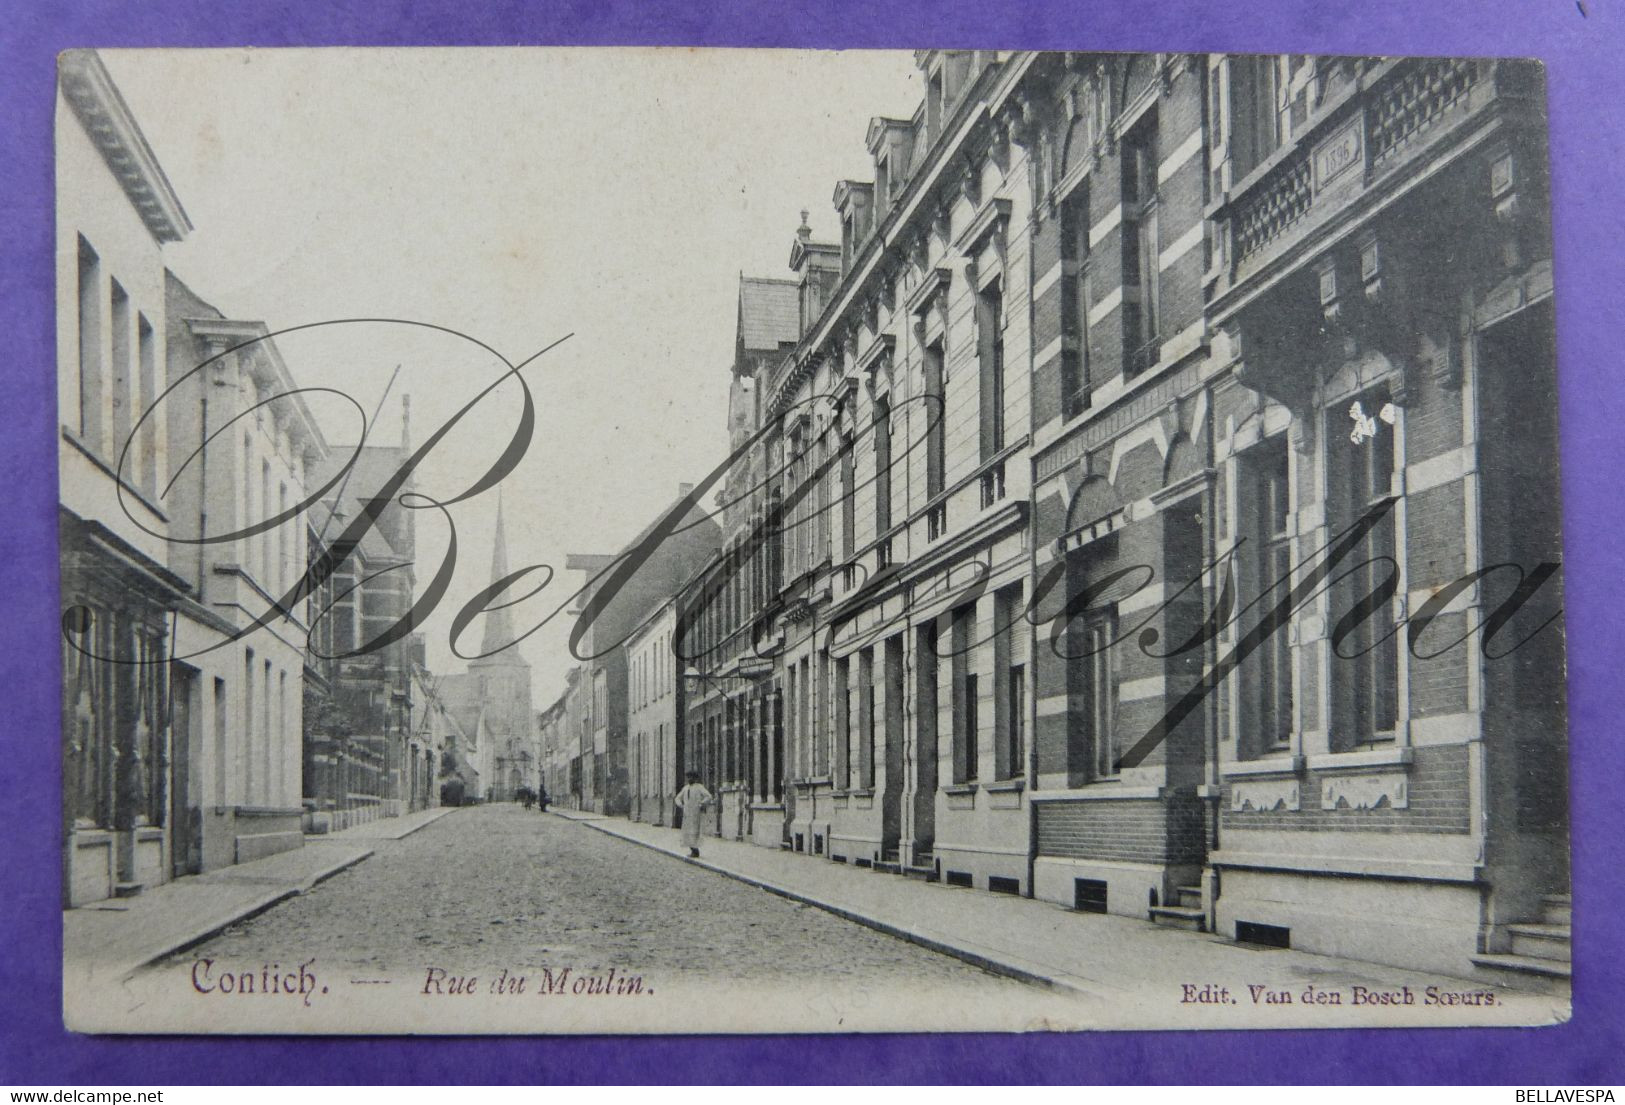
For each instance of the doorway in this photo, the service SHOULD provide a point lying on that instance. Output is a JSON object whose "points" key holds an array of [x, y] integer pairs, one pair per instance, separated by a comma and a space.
{"points": [[185, 801]]}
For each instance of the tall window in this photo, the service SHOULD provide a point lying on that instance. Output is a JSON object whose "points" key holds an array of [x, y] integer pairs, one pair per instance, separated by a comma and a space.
{"points": [[1361, 478], [807, 722], [1075, 383], [1272, 566], [1095, 689], [795, 735], [843, 722], [935, 411], [1140, 291], [972, 726], [284, 572], [882, 432], [264, 579], [820, 541], [792, 479], [990, 357], [1015, 689], [849, 515], [1255, 126], [1009, 650], [122, 373], [925, 713], [821, 727], [147, 473], [90, 347], [866, 719], [268, 737], [964, 691], [249, 727], [775, 547], [221, 749], [281, 796]]}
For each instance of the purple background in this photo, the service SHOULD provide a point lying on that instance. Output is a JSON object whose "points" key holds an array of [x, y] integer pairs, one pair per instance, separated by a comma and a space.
{"points": [[1582, 50]]}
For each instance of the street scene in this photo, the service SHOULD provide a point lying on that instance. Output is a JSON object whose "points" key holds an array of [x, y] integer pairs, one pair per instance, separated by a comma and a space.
{"points": [[498, 885], [1102, 570]]}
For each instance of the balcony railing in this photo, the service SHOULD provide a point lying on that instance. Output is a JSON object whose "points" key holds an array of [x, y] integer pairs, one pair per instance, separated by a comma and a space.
{"points": [[1274, 207], [1356, 138], [1418, 95]]}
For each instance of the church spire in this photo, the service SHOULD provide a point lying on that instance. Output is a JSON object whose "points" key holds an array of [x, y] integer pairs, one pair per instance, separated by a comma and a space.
{"points": [[498, 625]]}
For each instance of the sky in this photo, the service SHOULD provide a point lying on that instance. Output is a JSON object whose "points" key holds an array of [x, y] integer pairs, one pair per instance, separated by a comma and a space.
{"points": [[610, 198]]}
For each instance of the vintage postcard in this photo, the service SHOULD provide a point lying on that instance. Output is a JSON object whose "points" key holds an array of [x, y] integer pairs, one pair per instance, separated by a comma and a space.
{"points": [[714, 541]]}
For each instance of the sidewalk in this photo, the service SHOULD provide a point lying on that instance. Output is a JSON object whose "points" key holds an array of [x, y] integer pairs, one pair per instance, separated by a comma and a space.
{"points": [[577, 815], [387, 828], [112, 939], [1131, 963]]}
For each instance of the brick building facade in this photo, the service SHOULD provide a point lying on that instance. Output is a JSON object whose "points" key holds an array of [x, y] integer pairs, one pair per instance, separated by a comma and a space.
{"points": [[1159, 508]]}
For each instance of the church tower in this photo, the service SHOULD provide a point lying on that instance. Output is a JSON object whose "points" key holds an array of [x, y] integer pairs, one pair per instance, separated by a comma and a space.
{"points": [[502, 677]]}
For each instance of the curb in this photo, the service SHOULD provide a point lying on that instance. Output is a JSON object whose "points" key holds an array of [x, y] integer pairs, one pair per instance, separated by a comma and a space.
{"points": [[249, 909], [446, 811], [341, 837], [427, 821], [579, 815], [1004, 967]]}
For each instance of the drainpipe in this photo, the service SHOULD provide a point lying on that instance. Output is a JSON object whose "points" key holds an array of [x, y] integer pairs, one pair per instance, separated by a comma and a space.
{"points": [[203, 489]]}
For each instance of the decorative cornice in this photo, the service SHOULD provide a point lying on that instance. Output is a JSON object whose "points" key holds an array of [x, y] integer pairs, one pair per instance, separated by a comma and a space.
{"points": [[910, 214], [95, 99], [878, 350], [934, 281], [262, 360], [970, 178], [989, 221]]}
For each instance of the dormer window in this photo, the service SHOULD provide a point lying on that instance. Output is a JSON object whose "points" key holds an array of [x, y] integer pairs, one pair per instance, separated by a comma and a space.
{"points": [[852, 206]]}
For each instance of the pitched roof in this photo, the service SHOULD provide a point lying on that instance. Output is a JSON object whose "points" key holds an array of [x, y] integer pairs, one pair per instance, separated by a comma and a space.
{"points": [[374, 466], [769, 312]]}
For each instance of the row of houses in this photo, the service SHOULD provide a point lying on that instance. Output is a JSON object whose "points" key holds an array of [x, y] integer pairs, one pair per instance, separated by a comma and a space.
{"points": [[1148, 505], [609, 742], [214, 711]]}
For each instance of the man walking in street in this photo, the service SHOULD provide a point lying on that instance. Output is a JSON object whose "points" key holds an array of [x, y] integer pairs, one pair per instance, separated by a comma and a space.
{"points": [[692, 802]]}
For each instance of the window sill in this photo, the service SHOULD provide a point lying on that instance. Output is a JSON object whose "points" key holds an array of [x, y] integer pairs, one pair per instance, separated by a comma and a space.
{"points": [[1271, 765], [861, 792], [981, 469], [1006, 786], [960, 788], [1395, 756], [1099, 792]]}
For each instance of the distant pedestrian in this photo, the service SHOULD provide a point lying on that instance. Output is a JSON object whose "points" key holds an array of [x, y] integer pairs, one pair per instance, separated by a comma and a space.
{"points": [[541, 797], [527, 797], [692, 802]]}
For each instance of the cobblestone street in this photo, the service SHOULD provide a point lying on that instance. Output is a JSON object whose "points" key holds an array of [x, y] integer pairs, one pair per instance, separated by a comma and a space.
{"points": [[499, 885]]}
